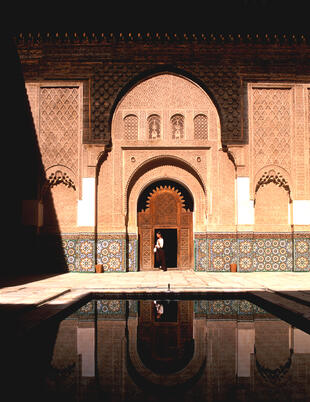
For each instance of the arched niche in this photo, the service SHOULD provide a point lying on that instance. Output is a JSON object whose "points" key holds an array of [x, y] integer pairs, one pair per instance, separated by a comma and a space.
{"points": [[59, 199], [272, 196]]}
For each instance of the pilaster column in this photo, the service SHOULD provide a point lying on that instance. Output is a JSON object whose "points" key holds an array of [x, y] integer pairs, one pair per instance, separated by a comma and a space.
{"points": [[87, 202]]}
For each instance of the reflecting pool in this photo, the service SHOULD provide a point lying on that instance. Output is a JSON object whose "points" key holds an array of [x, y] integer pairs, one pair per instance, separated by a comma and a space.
{"points": [[164, 350]]}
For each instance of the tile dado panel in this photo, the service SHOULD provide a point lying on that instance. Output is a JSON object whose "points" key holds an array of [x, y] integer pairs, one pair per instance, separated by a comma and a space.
{"points": [[252, 252], [274, 252], [113, 251]]}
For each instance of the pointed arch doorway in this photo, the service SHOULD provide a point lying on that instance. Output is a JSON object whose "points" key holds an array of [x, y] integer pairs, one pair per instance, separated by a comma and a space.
{"points": [[166, 206]]}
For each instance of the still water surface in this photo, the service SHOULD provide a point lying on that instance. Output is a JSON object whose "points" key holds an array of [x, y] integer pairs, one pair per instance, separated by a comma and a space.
{"points": [[164, 350]]}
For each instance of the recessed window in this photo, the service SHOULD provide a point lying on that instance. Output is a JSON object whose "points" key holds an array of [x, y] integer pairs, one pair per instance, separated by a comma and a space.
{"points": [[131, 127], [153, 126], [201, 127], [177, 126]]}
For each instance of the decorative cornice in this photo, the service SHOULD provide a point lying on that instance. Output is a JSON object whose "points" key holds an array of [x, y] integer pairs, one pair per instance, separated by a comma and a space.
{"points": [[37, 38]]}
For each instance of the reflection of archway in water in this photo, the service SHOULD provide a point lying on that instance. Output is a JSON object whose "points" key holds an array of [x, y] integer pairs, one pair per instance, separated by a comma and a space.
{"points": [[167, 206], [184, 378], [165, 335], [273, 375]]}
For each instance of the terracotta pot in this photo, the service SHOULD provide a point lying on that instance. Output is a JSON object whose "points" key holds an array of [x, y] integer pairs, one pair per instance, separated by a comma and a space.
{"points": [[233, 267], [99, 268]]}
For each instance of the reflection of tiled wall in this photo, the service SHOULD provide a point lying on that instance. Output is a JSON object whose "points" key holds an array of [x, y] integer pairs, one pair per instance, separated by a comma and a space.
{"points": [[238, 309], [212, 309], [106, 309], [252, 252]]}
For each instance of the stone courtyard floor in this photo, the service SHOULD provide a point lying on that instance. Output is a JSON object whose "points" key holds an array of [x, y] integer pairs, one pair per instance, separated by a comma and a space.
{"points": [[26, 301]]}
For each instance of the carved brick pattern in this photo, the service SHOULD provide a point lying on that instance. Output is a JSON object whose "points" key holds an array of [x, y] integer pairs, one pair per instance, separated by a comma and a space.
{"points": [[271, 127], [59, 125], [201, 127], [131, 127], [32, 98]]}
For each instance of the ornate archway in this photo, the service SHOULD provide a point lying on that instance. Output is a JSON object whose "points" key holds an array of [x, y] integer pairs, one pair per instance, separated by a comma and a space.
{"points": [[166, 208]]}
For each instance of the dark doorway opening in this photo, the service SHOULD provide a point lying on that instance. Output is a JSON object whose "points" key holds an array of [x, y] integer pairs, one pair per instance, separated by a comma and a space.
{"points": [[170, 237]]}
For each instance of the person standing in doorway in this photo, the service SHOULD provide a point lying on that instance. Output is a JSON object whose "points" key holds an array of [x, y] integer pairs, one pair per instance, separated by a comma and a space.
{"points": [[160, 252]]}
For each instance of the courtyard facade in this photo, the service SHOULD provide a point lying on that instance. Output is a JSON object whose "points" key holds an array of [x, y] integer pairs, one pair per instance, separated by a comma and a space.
{"points": [[205, 138]]}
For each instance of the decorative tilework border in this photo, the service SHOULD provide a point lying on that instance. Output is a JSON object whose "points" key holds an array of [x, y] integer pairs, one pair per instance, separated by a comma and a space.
{"points": [[252, 252], [214, 252]]}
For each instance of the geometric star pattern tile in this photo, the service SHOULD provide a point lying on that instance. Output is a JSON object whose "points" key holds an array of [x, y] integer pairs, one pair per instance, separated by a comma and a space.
{"points": [[111, 253], [256, 253], [212, 254], [302, 254], [272, 255]]}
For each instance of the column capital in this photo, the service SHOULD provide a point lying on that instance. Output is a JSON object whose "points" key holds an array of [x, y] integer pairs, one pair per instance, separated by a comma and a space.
{"points": [[92, 154]]}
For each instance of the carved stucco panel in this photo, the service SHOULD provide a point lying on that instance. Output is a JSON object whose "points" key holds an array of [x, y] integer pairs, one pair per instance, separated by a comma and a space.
{"points": [[57, 111], [198, 160], [272, 127]]}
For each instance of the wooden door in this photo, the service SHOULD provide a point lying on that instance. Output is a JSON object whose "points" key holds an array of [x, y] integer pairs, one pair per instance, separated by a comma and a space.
{"points": [[165, 209]]}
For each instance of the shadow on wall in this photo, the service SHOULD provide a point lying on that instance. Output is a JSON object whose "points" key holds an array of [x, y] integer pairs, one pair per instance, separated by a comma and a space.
{"points": [[28, 252]]}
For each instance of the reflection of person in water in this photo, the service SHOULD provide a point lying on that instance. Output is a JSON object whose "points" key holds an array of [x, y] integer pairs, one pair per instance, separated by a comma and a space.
{"points": [[160, 252], [166, 310], [159, 309]]}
